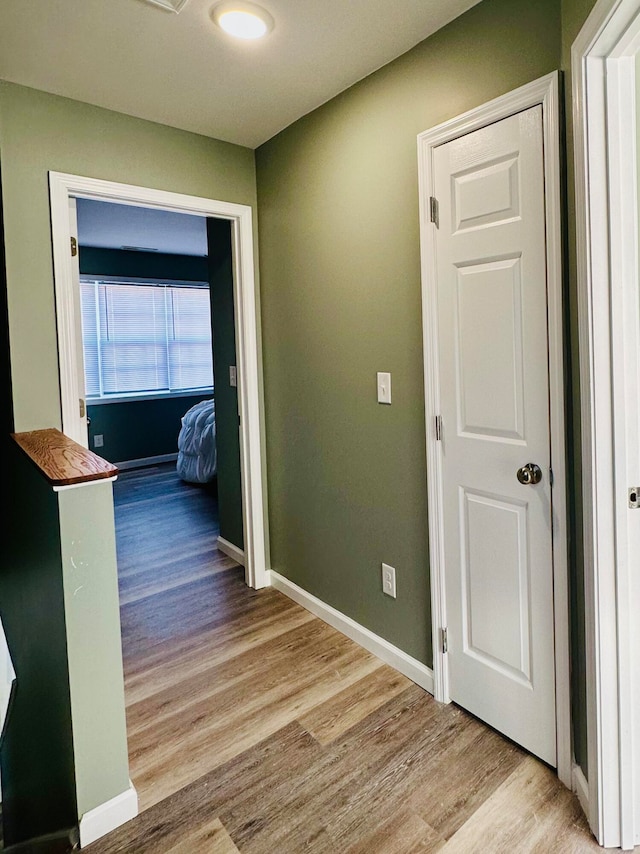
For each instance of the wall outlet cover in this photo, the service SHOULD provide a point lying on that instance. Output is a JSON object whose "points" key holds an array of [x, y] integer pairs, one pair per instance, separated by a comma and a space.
{"points": [[389, 580]]}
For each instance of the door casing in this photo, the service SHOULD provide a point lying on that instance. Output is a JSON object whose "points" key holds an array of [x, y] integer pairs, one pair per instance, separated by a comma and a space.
{"points": [[605, 106], [544, 92], [62, 187]]}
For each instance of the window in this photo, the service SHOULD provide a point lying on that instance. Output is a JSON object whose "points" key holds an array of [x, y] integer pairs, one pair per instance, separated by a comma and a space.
{"points": [[143, 338]]}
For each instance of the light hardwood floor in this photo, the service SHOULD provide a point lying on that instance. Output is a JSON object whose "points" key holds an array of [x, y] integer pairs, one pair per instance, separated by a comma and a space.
{"points": [[255, 727]]}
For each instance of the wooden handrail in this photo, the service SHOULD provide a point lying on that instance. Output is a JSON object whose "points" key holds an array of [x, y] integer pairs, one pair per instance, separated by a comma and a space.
{"points": [[62, 461]]}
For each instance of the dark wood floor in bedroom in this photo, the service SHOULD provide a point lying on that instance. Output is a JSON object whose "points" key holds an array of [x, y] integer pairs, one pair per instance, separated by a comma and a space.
{"points": [[255, 727]]}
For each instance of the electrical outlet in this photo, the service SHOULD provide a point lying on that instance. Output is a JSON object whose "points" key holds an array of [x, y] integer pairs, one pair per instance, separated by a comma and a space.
{"points": [[98, 441], [233, 376], [388, 580]]}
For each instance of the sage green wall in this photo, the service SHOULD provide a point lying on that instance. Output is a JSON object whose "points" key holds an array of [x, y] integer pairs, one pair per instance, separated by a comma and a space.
{"points": [[92, 619], [5, 360], [41, 132], [340, 282]]}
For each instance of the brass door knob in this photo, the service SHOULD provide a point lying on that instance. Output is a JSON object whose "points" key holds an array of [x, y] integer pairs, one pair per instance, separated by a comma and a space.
{"points": [[529, 474]]}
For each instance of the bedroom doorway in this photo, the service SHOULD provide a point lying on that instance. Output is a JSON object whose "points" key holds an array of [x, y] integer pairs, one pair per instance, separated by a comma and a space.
{"points": [[237, 219], [158, 323]]}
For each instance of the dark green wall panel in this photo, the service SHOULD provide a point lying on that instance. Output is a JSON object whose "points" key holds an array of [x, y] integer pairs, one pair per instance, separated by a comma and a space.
{"points": [[138, 429], [146, 265], [226, 396], [5, 359], [36, 755]]}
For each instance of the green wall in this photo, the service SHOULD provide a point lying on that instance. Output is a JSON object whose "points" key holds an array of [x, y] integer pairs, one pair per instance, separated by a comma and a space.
{"points": [[5, 359], [226, 395], [147, 265], [41, 132], [340, 282], [36, 751], [94, 649], [140, 428]]}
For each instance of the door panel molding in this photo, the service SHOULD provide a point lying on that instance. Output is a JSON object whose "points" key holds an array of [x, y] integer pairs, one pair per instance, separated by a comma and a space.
{"points": [[544, 92], [62, 187]]}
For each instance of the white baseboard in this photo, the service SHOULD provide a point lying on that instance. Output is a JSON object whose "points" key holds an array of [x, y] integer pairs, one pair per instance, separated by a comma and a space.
{"points": [[105, 818], [387, 652], [581, 788], [146, 461], [231, 550]]}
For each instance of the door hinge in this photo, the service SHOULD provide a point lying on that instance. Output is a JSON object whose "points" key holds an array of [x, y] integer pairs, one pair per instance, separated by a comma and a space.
{"points": [[438, 428], [444, 640], [74, 247], [634, 498], [82, 408], [551, 478], [434, 211]]}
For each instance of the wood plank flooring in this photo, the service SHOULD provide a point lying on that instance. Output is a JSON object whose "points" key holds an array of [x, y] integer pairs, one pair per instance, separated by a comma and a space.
{"points": [[255, 727]]}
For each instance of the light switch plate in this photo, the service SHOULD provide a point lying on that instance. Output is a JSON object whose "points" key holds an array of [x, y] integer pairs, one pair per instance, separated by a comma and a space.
{"points": [[384, 387]]}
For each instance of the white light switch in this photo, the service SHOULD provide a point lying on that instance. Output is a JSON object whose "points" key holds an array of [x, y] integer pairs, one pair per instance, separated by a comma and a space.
{"points": [[384, 388], [233, 376]]}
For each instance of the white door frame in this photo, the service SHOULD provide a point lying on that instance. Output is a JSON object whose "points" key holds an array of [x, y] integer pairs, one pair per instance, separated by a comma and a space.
{"points": [[62, 187], [544, 92], [604, 124]]}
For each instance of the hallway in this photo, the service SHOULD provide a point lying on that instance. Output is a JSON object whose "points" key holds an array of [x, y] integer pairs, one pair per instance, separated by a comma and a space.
{"points": [[255, 727]]}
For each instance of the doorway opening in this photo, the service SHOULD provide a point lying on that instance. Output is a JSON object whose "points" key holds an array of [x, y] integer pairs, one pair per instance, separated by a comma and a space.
{"points": [[63, 188], [156, 304]]}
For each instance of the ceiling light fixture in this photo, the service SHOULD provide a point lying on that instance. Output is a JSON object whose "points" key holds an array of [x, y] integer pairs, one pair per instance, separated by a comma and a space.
{"points": [[242, 20]]}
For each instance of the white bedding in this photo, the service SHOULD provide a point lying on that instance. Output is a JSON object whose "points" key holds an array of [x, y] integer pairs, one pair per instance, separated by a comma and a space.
{"points": [[197, 457]]}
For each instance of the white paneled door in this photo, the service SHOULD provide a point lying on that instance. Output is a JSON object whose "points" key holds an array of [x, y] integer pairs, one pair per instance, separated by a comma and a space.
{"points": [[496, 463]]}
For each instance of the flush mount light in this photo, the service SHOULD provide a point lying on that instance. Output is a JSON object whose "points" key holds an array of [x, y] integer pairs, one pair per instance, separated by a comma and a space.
{"points": [[242, 20]]}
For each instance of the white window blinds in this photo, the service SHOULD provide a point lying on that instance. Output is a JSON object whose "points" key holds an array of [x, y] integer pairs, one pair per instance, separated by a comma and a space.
{"points": [[141, 338]]}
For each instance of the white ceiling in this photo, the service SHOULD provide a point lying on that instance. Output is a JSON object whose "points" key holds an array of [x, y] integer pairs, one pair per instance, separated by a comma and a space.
{"points": [[108, 225], [180, 70]]}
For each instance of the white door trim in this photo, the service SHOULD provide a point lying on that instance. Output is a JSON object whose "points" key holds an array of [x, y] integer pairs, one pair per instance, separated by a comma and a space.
{"points": [[544, 92], [604, 124], [62, 187]]}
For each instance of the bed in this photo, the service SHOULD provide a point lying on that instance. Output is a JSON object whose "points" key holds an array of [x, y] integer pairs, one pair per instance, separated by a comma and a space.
{"points": [[197, 456]]}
